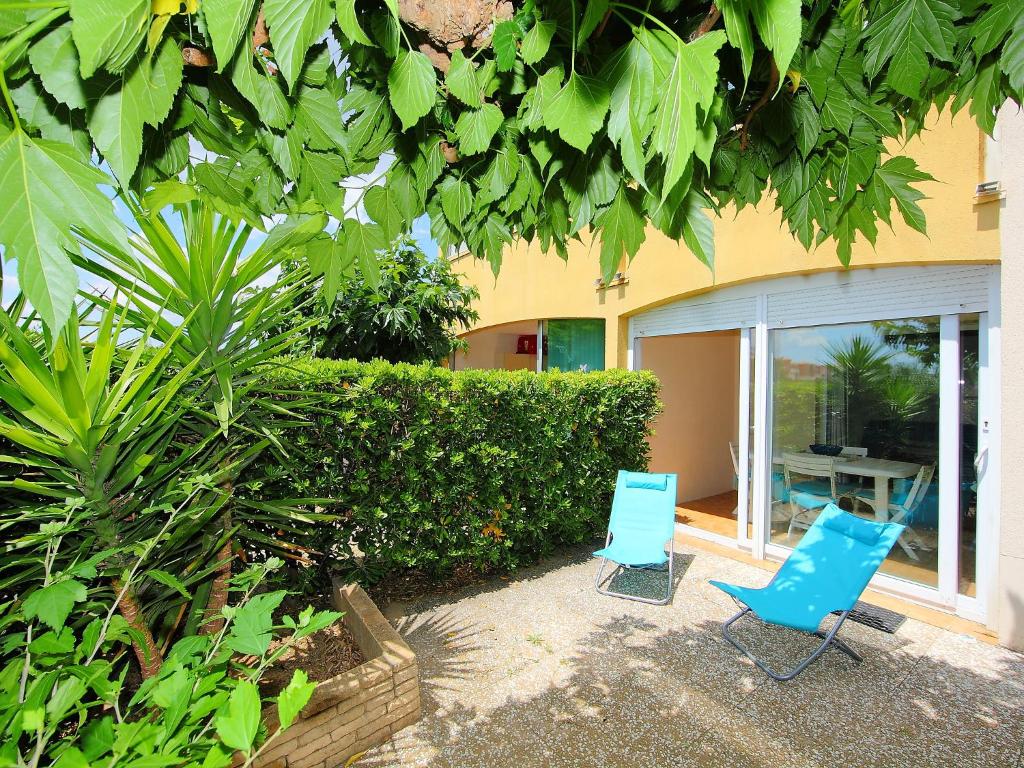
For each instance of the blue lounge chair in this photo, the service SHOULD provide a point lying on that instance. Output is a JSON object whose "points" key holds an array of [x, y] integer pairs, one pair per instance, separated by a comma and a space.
{"points": [[826, 573], [643, 519]]}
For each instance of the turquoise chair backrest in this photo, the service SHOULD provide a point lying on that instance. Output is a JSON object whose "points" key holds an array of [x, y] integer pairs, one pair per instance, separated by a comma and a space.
{"points": [[644, 507], [835, 560]]}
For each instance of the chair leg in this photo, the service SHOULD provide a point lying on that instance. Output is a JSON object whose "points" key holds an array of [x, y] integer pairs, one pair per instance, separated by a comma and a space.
{"points": [[794, 510], [905, 546], [637, 598], [828, 639]]}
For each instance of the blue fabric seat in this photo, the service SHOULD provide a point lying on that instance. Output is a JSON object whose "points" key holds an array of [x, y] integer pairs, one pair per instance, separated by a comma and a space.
{"points": [[823, 488], [826, 573], [642, 521]]}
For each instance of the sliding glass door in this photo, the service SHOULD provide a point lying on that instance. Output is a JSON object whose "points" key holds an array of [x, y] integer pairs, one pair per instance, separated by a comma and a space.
{"points": [[870, 389], [882, 419], [855, 421]]}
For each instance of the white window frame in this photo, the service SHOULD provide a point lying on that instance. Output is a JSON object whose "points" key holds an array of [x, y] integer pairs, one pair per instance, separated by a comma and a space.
{"points": [[950, 291]]}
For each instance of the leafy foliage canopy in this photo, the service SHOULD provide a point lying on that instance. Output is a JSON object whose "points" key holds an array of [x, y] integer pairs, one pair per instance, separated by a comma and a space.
{"points": [[551, 119], [409, 312]]}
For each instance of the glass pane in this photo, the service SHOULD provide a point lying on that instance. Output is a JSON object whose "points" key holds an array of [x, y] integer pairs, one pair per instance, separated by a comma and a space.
{"points": [[575, 345], [968, 454], [750, 434], [869, 391]]}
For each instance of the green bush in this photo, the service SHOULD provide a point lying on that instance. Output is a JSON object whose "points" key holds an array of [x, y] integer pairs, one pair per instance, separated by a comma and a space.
{"points": [[431, 469]]}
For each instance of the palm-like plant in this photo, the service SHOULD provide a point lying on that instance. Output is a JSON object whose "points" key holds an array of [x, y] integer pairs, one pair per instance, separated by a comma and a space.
{"points": [[93, 428], [857, 369], [210, 283]]}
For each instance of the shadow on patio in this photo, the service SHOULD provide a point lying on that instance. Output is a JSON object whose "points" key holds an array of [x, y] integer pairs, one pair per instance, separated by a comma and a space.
{"points": [[545, 672]]}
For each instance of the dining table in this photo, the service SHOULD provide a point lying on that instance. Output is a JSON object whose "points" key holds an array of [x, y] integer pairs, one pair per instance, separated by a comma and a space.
{"points": [[883, 471]]}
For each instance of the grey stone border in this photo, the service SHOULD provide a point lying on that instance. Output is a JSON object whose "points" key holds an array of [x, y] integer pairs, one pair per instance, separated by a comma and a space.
{"points": [[358, 709]]}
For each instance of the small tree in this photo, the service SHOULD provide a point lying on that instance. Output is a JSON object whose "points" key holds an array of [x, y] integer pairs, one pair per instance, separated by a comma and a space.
{"points": [[409, 315]]}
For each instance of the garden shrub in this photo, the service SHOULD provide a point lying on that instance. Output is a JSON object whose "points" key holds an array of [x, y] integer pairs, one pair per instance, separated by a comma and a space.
{"points": [[432, 469]]}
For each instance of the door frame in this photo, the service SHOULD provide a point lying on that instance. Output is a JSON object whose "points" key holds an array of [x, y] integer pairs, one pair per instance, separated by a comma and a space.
{"points": [[952, 291]]}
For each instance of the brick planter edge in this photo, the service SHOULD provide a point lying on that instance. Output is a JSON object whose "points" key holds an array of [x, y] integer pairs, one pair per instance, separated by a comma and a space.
{"points": [[358, 709]]}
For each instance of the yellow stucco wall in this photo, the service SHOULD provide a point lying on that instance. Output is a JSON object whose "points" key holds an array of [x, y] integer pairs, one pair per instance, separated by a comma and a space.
{"points": [[749, 246]]}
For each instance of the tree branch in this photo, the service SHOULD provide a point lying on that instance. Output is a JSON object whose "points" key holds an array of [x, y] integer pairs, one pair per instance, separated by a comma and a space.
{"points": [[712, 17], [773, 83]]}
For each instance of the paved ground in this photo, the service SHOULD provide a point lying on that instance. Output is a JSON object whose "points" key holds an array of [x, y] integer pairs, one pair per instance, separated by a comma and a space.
{"points": [[542, 671]]}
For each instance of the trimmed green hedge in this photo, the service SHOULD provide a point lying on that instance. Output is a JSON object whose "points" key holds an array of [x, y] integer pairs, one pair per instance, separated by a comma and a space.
{"points": [[431, 469]]}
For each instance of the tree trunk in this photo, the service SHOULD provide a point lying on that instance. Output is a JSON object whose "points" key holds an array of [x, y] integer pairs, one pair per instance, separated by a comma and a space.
{"points": [[213, 622], [448, 25], [148, 653]]}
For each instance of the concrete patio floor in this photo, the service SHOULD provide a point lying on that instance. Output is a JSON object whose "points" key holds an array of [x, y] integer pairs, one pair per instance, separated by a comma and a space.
{"points": [[540, 670]]}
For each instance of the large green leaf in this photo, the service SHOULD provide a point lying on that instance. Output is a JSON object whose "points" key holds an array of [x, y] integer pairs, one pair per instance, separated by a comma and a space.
{"points": [[891, 184], [807, 121], [855, 218], [779, 24], [294, 697], [294, 27], [503, 41], [361, 242], [412, 87], [578, 110], [55, 59], [699, 230], [461, 80], [321, 174], [330, 260], [261, 90], [108, 32], [318, 115], [691, 84], [622, 230], [53, 603], [456, 200], [994, 24], [905, 35], [46, 188], [54, 121], [227, 22], [251, 628], [493, 237], [595, 12], [382, 206], [1012, 60], [536, 100], [119, 106], [238, 720], [590, 184], [537, 42], [740, 32], [476, 127], [631, 73], [348, 20]]}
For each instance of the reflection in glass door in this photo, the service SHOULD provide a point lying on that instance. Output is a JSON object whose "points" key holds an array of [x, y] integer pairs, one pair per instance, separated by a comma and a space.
{"points": [[855, 422], [968, 520]]}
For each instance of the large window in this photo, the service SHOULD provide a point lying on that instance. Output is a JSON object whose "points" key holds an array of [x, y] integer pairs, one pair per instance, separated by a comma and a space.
{"points": [[868, 392], [574, 345]]}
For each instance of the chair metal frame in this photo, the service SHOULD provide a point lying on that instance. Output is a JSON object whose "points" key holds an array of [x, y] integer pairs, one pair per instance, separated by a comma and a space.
{"points": [[829, 639], [825, 574], [625, 596]]}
